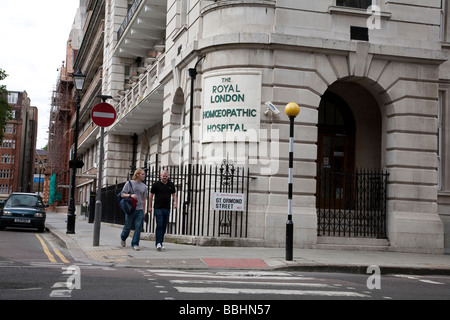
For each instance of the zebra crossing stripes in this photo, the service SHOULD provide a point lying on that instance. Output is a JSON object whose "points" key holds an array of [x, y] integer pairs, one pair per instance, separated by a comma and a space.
{"points": [[253, 284], [252, 291]]}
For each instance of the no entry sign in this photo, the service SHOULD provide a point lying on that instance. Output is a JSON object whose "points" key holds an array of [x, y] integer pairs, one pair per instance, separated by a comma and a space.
{"points": [[103, 114]]}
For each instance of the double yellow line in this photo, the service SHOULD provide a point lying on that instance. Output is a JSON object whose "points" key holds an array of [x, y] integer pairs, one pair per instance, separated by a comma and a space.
{"points": [[49, 254]]}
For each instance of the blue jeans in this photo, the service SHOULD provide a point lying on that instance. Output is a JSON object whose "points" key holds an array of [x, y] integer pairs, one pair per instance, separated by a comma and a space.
{"points": [[162, 219], [135, 219]]}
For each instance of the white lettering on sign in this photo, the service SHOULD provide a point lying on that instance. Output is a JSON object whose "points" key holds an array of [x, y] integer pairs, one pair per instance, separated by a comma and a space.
{"points": [[103, 115], [231, 106], [229, 201]]}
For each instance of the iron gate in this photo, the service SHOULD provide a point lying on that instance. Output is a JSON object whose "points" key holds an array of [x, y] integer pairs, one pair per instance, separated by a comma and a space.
{"points": [[351, 204]]}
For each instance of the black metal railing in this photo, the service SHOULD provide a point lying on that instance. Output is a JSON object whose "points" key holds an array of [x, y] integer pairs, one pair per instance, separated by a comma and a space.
{"points": [[195, 214], [351, 204], [111, 212], [128, 18]]}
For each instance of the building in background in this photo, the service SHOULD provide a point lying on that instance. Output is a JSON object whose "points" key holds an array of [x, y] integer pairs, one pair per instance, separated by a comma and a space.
{"points": [[18, 147]]}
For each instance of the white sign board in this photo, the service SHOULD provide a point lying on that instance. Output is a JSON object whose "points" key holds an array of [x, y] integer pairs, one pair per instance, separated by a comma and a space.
{"points": [[231, 106], [229, 201]]}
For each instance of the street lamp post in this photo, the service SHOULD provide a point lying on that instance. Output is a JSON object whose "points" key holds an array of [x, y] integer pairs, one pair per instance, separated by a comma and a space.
{"points": [[98, 200], [74, 163], [292, 110]]}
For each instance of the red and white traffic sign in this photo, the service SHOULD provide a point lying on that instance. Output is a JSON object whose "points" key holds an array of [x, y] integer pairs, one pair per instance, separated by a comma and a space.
{"points": [[103, 114]]}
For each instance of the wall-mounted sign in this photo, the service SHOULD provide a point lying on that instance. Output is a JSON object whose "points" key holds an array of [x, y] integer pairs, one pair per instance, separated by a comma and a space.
{"points": [[229, 201], [231, 106]]}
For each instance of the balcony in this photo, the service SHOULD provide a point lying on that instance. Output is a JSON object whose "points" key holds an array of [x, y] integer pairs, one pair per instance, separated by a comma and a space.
{"points": [[142, 34], [141, 106], [210, 5], [143, 27]]}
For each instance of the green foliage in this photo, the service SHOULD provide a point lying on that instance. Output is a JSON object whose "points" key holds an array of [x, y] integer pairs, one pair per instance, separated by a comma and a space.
{"points": [[5, 108]]}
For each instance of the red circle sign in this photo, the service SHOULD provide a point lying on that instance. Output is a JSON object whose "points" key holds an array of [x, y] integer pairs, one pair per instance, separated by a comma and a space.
{"points": [[103, 114]]}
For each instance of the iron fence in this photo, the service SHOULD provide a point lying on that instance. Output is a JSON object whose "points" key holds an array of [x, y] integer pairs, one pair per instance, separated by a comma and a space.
{"points": [[195, 214], [111, 212], [351, 204]]}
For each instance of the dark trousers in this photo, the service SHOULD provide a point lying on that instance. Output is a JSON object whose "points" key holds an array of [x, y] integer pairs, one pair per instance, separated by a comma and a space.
{"points": [[162, 219]]}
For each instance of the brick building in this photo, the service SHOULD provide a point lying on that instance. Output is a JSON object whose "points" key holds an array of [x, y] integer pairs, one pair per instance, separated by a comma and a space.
{"points": [[18, 147]]}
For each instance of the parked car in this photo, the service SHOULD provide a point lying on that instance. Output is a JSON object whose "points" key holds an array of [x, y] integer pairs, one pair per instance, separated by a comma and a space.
{"points": [[23, 210]]}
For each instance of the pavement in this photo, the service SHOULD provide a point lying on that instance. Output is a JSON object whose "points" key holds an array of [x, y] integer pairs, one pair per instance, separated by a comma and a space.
{"points": [[185, 256]]}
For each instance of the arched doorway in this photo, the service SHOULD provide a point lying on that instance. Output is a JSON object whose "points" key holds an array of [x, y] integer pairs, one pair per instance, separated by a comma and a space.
{"points": [[336, 150], [351, 187]]}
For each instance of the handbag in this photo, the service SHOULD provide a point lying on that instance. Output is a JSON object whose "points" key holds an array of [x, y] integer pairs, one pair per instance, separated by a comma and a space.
{"points": [[128, 205]]}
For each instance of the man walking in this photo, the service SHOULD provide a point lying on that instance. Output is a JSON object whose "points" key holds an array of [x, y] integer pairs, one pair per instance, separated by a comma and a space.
{"points": [[162, 190]]}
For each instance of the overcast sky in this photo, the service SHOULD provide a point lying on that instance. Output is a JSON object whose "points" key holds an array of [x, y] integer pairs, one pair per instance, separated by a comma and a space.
{"points": [[33, 40]]}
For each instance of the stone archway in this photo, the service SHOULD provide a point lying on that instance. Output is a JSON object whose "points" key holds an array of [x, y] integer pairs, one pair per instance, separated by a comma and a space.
{"points": [[351, 187]]}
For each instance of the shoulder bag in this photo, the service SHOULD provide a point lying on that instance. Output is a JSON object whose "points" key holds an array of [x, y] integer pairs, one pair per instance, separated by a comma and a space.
{"points": [[128, 205]]}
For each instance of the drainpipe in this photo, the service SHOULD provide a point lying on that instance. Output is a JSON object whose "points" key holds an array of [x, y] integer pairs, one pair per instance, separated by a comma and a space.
{"points": [[133, 161], [193, 74]]}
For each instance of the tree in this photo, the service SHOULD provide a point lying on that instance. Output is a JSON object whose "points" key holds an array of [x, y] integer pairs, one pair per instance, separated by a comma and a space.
{"points": [[5, 108]]}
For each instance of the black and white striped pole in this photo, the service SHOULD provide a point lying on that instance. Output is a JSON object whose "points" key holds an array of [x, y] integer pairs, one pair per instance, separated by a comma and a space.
{"points": [[292, 109]]}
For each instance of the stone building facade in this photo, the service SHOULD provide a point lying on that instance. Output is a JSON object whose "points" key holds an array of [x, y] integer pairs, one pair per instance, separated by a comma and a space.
{"points": [[371, 80]]}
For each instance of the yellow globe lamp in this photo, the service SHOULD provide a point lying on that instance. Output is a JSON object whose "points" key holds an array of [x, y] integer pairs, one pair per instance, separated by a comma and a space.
{"points": [[292, 109]]}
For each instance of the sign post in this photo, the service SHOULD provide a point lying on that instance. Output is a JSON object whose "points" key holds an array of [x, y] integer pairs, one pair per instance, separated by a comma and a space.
{"points": [[103, 115]]}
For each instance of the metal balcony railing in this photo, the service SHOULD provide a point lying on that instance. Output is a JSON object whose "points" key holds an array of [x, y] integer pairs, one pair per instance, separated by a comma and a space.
{"points": [[128, 18], [146, 83]]}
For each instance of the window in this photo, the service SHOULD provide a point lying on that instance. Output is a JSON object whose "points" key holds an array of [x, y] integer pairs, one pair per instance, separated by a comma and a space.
{"points": [[441, 106], [9, 128], [6, 158], [444, 23], [7, 144], [362, 4], [4, 174], [13, 97], [5, 189]]}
